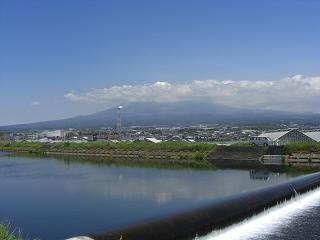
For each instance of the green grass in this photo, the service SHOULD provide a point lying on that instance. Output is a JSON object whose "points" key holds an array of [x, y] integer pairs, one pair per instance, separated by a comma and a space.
{"points": [[302, 147], [241, 144], [137, 146], [186, 155], [7, 234]]}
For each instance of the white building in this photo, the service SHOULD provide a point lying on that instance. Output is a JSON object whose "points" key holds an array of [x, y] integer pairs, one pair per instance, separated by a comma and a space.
{"points": [[57, 134], [153, 140], [293, 135]]}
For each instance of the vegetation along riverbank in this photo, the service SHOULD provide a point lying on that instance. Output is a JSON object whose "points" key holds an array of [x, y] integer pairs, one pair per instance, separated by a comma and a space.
{"points": [[177, 154], [166, 154], [7, 234]]}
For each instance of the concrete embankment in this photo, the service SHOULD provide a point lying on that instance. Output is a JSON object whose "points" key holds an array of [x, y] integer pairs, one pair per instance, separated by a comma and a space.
{"points": [[273, 157], [222, 212], [303, 159], [123, 154], [222, 156], [237, 157], [159, 159]]}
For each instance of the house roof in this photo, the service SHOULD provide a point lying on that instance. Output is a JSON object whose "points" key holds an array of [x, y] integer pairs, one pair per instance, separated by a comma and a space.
{"points": [[274, 135], [154, 140], [314, 135]]}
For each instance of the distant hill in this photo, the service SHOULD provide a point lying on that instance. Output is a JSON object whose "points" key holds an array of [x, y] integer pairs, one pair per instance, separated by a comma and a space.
{"points": [[180, 113]]}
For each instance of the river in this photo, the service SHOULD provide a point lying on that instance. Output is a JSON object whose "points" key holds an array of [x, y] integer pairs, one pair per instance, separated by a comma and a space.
{"points": [[52, 199]]}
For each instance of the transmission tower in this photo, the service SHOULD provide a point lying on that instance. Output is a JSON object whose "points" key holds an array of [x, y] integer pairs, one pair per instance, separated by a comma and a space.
{"points": [[119, 118]]}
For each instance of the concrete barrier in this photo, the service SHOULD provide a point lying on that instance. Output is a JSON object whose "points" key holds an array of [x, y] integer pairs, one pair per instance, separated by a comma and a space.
{"points": [[272, 159]]}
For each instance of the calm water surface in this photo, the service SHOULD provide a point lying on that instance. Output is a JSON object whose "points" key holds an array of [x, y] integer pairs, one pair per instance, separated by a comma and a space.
{"points": [[54, 199]]}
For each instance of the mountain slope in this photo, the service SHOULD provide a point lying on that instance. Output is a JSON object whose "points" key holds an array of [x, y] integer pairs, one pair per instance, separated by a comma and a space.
{"points": [[183, 113]]}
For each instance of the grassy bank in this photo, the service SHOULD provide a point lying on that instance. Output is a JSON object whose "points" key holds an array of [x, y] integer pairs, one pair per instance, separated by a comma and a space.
{"points": [[302, 147], [7, 234], [135, 146], [162, 155]]}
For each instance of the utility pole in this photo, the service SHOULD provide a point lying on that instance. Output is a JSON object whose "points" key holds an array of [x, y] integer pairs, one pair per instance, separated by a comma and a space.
{"points": [[119, 119]]}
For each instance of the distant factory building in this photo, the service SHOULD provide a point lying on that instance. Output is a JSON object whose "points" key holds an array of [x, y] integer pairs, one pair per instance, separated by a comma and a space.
{"points": [[291, 136], [56, 134]]}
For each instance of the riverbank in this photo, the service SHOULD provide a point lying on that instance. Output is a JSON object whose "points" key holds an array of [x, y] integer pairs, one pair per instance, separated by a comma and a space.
{"points": [[237, 156], [38, 147], [162, 155], [295, 156]]}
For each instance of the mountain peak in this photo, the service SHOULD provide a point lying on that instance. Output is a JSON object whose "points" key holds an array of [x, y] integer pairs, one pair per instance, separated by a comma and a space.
{"points": [[173, 113]]}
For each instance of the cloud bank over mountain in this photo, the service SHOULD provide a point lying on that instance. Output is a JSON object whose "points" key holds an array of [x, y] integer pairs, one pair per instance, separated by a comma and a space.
{"points": [[297, 93]]}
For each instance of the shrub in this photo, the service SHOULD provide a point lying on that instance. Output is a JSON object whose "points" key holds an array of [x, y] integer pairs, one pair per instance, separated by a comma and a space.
{"points": [[7, 234], [302, 147]]}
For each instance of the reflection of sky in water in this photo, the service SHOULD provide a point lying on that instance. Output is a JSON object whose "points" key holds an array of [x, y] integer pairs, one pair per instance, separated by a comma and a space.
{"points": [[165, 186], [89, 198]]}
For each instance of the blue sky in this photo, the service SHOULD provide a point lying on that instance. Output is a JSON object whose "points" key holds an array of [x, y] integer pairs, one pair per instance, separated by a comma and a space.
{"points": [[64, 58]]}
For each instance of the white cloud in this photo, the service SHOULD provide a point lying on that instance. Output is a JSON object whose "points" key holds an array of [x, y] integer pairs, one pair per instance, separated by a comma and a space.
{"points": [[74, 97], [296, 93], [35, 103]]}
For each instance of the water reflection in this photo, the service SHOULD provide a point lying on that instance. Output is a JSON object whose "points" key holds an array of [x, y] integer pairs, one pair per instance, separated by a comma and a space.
{"points": [[53, 200], [262, 175]]}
